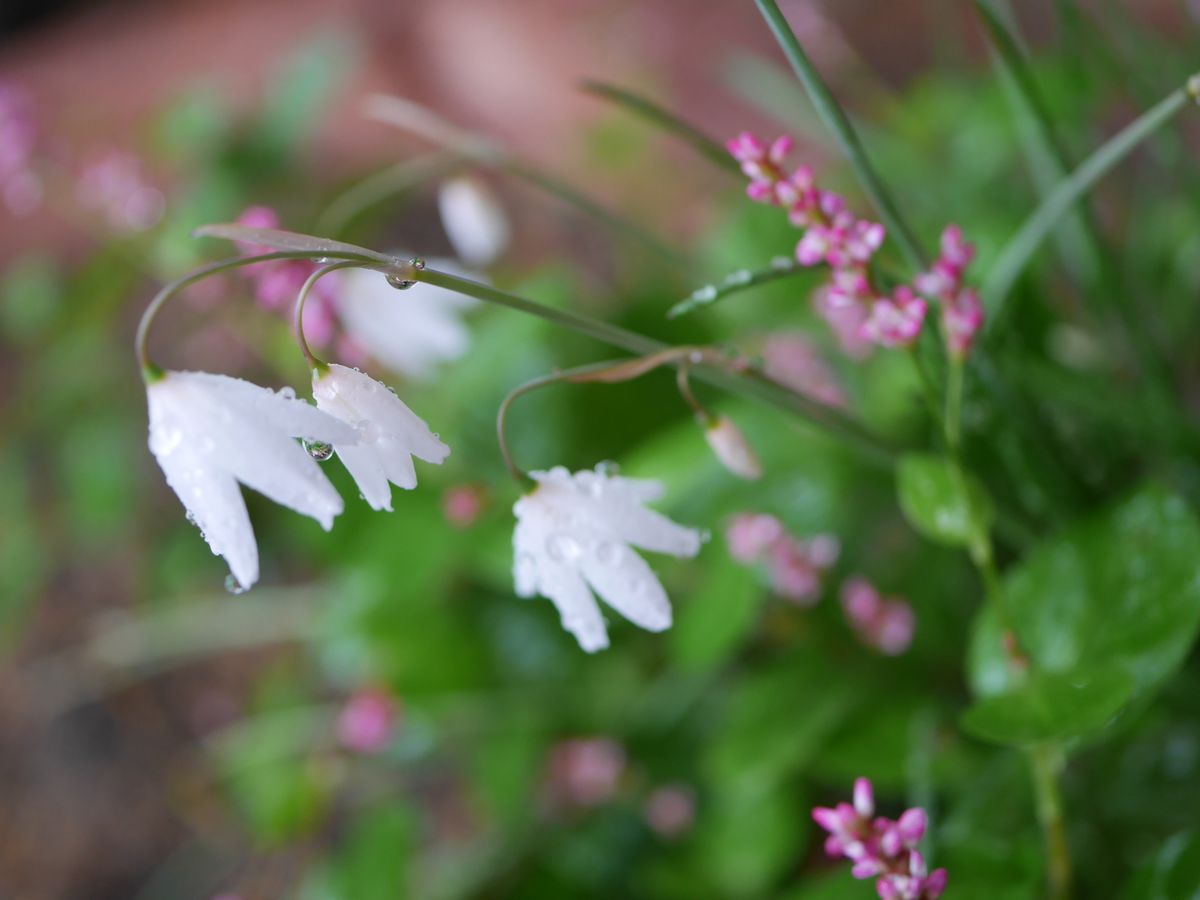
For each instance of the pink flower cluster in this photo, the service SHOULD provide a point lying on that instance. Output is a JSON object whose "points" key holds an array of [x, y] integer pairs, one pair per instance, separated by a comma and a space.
{"points": [[20, 186], [887, 624], [835, 236], [277, 282], [860, 314], [792, 360], [796, 566], [881, 848], [962, 310]]}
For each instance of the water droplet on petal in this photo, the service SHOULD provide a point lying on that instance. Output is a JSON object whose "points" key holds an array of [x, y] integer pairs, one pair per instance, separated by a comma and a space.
{"points": [[607, 467], [287, 393], [607, 553], [563, 548], [233, 585], [318, 450]]}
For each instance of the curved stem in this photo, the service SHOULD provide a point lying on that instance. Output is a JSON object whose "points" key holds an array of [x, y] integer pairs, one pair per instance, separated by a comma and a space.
{"points": [[151, 372], [314, 362], [747, 381]]}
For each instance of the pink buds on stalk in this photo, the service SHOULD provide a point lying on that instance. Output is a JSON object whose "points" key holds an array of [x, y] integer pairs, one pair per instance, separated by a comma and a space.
{"points": [[887, 624], [796, 566], [855, 308], [881, 848]]}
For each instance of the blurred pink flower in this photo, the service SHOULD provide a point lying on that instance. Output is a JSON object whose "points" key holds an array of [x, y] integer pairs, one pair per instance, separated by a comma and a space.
{"points": [[367, 721], [794, 361], [895, 322], [962, 310], [462, 504], [112, 185], [796, 566], [20, 185], [586, 771], [670, 810], [887, 624]]}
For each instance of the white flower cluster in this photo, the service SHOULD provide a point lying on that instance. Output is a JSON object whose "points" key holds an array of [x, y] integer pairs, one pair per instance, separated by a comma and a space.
{"points": [[575, 533], [211, 432]]}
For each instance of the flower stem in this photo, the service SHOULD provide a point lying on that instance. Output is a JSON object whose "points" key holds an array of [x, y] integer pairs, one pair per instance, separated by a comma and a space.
{"points": [[954, 393], [749, 381], [150, 371], [666, 120], [838, 122], [1047, 763], [298, 316]]}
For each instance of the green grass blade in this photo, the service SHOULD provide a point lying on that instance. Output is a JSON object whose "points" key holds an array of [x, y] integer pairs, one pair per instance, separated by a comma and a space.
{"points": [[1020, 249], [710, 148], [836, 120]]}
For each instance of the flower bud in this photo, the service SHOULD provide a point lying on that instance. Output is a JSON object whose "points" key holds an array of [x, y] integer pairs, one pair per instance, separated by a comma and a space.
{"points": [[473, 219], [729, 445]]}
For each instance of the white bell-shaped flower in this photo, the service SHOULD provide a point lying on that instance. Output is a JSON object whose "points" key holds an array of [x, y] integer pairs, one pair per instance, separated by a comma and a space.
{"points": [[410, 331], [575, 535], [389, 434], [210, 432], [473, 219]]}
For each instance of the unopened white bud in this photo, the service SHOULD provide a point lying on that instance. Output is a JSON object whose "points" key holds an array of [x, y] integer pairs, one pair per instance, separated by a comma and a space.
{"points": [[730, 446], [474, 220]]}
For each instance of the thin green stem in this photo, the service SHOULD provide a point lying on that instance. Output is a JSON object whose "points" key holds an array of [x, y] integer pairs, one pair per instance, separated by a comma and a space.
{"points": [[734, 282], [150, 371], [416, 119], [928, 389], [314, 362], [749, 381], [954, 395], [1020, 249], [1047, 764], [395, 179], [646, 109], [838, 122]]}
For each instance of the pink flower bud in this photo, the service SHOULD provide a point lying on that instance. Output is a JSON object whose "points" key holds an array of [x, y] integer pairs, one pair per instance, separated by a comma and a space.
{"points": [[864, 798], [750, 535], [367, 720], [671, 810], [732, 449], [586, 772], [462, 504]]}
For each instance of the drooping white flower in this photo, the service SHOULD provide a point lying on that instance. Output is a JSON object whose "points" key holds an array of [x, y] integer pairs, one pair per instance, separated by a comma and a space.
{"points": [[575, 535], [473, 219], [389, 434], [409, 331], [210, 432]]}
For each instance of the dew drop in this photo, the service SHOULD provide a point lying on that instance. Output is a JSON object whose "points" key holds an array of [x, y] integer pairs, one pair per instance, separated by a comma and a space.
{"points": [[233, 585], [781, 263], [563, 548], [400, 284], [318, 450], [708, 292], [287, 393], [608, 468], [741, 276], [607, 553], [705, 535]]}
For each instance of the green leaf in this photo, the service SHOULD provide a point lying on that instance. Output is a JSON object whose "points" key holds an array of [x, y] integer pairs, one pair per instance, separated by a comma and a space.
{"points": [[750, 837], [373, 862], [941, 501], [1118, 590], [1173, 873], [1050, 707]]}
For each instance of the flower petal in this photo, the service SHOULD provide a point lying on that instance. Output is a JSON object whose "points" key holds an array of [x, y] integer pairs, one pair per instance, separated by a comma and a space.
{"points": [[626, 583], [366, 468], [575, 603]]}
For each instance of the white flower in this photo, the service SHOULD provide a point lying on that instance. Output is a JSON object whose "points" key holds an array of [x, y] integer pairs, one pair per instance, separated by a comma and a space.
{"points": [[574, 536], [209, 432], [473, 219], [409, 331], [389, 433]]}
